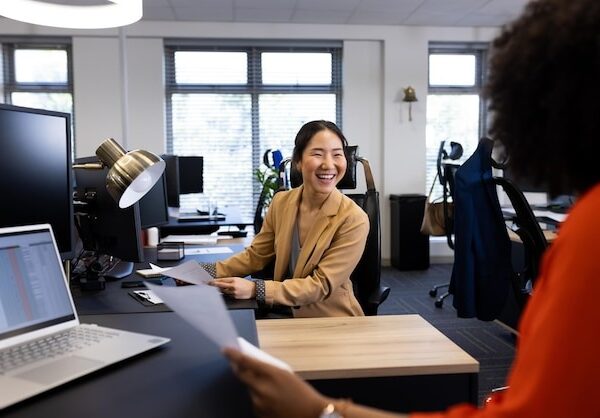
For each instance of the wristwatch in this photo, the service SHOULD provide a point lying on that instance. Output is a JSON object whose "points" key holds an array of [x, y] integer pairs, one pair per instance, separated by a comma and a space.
{"points": [[330, 412]]}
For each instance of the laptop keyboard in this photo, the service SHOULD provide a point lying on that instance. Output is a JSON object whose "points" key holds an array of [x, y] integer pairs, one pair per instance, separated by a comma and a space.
{"points": [[54, 345]]}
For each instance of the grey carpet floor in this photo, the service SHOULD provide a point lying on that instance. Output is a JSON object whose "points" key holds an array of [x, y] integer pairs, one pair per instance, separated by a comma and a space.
{"points": [[489, 343]]}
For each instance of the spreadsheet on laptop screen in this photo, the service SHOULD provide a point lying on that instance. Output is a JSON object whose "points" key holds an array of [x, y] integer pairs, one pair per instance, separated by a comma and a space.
{"points": [[33, 292]]}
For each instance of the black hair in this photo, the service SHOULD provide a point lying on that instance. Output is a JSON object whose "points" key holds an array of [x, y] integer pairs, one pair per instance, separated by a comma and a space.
{"points": [[310, 129], [543, 90]]}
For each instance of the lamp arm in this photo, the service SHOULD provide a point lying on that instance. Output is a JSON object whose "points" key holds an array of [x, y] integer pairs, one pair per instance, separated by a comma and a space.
{"points": [[89, 166]]}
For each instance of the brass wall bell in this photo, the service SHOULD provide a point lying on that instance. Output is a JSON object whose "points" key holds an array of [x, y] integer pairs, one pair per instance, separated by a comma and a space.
{"points": [[409, 96]]}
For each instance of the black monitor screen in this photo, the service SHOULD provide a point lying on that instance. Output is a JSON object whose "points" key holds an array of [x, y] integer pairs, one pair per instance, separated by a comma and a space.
{"points": [[172, 177], [153, 206], [103, 226], [190, 174], [35, 168]]}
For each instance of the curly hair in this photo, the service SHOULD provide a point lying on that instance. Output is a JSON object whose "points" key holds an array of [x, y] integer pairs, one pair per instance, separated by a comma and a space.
{"points": [[544, 93]]}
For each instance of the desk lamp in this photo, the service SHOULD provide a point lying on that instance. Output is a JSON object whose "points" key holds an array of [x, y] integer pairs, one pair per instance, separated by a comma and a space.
{"points": [[131, 174], [129, 177]]}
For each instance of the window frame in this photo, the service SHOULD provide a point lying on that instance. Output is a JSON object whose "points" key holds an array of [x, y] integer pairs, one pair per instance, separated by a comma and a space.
{"points": [[10, 84], [480, 51], [254, 86]]}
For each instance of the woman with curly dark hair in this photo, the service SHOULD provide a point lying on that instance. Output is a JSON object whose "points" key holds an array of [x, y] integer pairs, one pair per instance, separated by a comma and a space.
{"points": [[544, 92]]}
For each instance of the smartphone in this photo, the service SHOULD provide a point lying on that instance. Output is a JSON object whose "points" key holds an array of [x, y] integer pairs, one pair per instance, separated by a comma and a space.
{"points": [[133, 283]]}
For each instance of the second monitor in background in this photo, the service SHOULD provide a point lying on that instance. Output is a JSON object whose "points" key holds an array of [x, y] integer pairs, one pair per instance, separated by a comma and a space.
{"points": [[184, 175], [191, 178]]}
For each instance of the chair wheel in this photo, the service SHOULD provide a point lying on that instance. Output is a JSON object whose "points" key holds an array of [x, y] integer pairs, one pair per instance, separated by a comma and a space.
{"points": [[439, 303], [433, 293]]}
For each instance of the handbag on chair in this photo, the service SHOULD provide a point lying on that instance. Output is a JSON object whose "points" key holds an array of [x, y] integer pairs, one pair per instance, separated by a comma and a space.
{"points": [[434, 218]]}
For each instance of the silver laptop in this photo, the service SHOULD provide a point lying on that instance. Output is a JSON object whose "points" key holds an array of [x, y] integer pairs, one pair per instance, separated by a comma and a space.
{"points": [[42, 343]]}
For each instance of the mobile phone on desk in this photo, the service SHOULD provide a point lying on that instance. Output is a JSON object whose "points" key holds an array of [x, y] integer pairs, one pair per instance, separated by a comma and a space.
{"points": [[132, 284], [140, 283]]}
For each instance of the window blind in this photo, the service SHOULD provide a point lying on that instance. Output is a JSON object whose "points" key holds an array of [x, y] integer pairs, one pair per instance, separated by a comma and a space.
{"points": [[455, 109], [231, 103]]}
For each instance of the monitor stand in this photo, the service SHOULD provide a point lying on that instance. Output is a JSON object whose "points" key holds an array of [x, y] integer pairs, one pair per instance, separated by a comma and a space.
{"points": [[119, 271]]}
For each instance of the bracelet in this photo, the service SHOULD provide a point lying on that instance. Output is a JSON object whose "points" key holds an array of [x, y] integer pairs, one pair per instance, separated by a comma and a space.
{"points": [[211, 268], [260, 290], [336, 409]]}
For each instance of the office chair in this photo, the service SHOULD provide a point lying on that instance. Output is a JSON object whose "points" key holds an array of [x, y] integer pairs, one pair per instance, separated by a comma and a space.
{"points": [[271, 159], [527, 228], [484, 270], [445, 173], [366, 277]]}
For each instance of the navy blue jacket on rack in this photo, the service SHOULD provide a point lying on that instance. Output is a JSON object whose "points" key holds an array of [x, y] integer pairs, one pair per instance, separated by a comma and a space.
{"points": [[482, 256]]}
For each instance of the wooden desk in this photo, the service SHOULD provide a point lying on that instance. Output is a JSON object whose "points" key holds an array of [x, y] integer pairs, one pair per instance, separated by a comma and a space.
{"points": [[549, 235], [398, 362]]}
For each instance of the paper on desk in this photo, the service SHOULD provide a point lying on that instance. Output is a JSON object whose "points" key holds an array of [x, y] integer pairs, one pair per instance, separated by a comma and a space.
{"points": [[190, 272], [153, 271], [203, 308], [149, 295], [207, 250], [192, 239], [558, 217]]}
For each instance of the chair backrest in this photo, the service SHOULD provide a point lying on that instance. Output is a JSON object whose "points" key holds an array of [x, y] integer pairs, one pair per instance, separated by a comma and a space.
{"points": [[271, 160], [366, 277], [446, 172], [529, 231]]}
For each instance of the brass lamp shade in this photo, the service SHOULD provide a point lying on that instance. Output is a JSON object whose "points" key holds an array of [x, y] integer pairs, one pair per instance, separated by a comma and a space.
{"points": [[131, 174]]}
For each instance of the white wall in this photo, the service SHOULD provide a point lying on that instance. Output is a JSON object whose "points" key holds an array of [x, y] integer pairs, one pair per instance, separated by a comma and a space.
{"points": [[378, 62]]}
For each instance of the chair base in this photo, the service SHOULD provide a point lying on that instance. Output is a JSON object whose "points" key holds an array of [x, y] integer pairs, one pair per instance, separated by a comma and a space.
{"points": [[439, 302]]}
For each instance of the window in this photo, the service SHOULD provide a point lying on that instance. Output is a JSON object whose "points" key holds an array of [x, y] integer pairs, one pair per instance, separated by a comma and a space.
{"points": [[37, 74], [232, 103], [455, 109]]}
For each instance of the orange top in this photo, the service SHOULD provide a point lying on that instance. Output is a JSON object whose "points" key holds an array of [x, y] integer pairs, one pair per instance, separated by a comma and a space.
{"points": [[556, 370]]}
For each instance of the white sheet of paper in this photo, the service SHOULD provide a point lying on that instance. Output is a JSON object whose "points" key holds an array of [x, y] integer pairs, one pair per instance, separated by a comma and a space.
{"points": [[203, 308], [192, 239], [157, 268], [153, 271], [190, 272], [253, 351], [558, 217], [207, 250], [149, 296]]}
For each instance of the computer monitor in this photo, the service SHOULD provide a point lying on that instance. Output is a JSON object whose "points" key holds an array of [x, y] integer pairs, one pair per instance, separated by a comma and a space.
{"points": [[172, 179], [104, 227], [35, 168], [191, 174], [153, 206]]}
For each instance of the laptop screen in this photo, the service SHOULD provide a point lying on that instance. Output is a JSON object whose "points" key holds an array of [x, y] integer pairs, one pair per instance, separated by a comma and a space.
{"points": [[33, 291]]}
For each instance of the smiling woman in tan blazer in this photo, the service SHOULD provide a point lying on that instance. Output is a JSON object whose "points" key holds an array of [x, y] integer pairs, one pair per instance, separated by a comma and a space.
{"points": [[316, 225]]}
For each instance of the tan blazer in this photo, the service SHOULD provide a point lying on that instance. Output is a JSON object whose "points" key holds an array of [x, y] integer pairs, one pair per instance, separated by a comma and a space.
{"points": [[320, 285]]}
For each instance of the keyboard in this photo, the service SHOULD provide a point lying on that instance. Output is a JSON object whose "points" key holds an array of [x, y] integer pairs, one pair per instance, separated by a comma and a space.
{"points": [[52, 346]]}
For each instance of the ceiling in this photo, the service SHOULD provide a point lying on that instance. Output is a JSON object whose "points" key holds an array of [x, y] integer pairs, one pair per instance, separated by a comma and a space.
{"points": [[350, 12]]}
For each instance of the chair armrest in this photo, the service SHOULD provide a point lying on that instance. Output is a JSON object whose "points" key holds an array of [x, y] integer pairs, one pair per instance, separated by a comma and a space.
{"points": [[379, 295]]}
